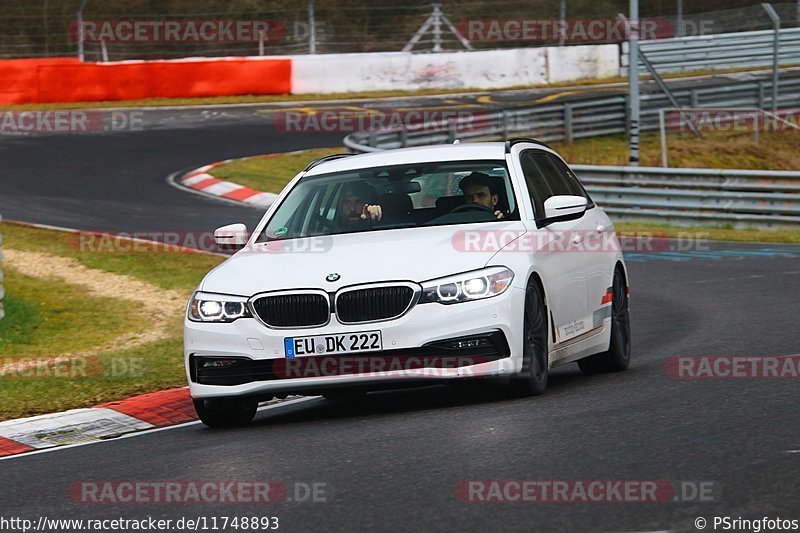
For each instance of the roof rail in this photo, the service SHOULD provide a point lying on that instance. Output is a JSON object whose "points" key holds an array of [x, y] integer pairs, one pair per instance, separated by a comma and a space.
{"points": [[517, 140], [324, 159]]}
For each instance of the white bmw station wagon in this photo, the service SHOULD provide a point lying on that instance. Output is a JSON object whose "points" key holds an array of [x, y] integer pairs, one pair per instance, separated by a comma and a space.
{"points": [[406, 267]]}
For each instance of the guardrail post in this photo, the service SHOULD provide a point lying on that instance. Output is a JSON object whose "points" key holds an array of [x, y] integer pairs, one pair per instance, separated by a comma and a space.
{"points": [[504, 119], [761, 94], [261, 43], [372, 140], [568, 135], [451, 131], [695, 98], [104, 50], [403, 136], [662, 126]]}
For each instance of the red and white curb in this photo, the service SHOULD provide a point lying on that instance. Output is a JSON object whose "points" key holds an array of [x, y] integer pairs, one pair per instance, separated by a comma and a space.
{"points": [[147, 411], [201, 181]]}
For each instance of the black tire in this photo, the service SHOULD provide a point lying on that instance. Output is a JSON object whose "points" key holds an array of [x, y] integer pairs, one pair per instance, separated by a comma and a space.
{"points": [[618, 356], [226, 412], [344, 394], [532, 380]]}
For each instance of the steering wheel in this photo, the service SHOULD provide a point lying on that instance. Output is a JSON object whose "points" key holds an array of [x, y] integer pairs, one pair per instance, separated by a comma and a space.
{"points": [[472, 207]]}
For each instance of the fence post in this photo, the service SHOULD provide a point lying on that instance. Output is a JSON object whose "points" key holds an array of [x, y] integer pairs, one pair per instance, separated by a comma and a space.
{"points": [[679, 21], [568, 134], [79, 20], [776, 21], [562, 29], [104, 50], [261, 43], [633, 80], [312, 29]]}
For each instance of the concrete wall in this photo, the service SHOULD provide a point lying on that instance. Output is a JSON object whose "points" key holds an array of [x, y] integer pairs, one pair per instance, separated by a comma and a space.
{"points": [[492, 69]]}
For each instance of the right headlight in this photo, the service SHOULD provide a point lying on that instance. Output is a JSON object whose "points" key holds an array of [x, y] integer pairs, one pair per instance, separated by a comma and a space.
{"points": [[466, 287], [206, 307]]}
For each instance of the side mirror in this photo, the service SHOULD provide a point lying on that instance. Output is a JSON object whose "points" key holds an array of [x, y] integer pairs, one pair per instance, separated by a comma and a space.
{"points": [[563, 208], [231, 237]]}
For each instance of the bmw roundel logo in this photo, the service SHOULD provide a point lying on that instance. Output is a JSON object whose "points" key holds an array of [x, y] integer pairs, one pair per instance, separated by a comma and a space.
{"points": [[333, 277]]}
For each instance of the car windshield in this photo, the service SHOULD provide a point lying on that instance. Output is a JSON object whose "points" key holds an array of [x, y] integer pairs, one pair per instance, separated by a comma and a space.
{"points": [[392, 197]]}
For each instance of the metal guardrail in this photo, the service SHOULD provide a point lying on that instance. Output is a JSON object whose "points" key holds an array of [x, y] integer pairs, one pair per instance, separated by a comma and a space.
{"points": [[739, 197], [571, 120], [720, 51]]}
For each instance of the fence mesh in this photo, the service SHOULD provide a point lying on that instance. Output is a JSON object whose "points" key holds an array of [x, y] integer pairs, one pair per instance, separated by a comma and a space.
{"points": [[46, 28]]}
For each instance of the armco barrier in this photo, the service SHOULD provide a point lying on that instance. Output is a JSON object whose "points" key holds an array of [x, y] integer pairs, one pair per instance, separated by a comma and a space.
{"points": [[68, 80], [719, 51], [740, 197]]}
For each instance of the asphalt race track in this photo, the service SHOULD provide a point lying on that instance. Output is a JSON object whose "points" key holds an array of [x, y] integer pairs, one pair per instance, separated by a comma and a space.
{"points": [[395, 460]]}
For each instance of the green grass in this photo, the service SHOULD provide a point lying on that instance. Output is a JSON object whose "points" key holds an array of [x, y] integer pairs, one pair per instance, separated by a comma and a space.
{"points": [[55, 317], [776, 151], [48, 317], [269, 173], [709, 232], [168, 270]]}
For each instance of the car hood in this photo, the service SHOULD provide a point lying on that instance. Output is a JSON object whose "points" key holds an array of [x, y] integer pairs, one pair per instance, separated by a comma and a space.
{"points": [[415, 254]]}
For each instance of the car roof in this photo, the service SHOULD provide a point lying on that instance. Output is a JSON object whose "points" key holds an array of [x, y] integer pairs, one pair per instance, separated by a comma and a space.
{"points": [[484, 151]]}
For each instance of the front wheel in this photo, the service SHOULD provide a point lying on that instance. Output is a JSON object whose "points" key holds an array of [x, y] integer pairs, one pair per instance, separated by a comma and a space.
{"points": [[618, 356], [532, 380], [225, 412]]}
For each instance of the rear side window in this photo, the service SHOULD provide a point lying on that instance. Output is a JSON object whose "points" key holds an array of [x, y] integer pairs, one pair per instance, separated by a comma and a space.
{"points": [[569, 178]]}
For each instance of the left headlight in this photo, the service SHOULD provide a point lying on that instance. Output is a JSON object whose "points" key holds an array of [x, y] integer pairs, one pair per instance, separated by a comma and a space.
{"points": [[207, 307], [466, 287]]}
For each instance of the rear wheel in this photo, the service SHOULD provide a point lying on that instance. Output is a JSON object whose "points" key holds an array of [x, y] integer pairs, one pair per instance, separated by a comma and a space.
{"points": [[532, 380], [618, 356], [226, 412]]}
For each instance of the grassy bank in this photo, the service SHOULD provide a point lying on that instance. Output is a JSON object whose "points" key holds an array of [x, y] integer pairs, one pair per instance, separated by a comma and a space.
{"points": [[83, 326]]}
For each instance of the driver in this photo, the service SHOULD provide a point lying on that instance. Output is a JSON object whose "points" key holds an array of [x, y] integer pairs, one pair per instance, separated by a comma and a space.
{"points": [[356, 205], [481, 189]]}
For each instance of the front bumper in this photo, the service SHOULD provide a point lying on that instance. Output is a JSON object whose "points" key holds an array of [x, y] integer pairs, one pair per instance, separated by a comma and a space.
{"points": [[412, 351]]}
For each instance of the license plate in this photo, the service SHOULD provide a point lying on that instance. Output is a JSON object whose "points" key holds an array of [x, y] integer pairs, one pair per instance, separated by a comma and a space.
{"points": [[359, 342]]}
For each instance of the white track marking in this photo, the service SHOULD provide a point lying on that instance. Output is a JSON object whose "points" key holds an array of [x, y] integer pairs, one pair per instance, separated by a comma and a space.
{"points": [[148, 431]]}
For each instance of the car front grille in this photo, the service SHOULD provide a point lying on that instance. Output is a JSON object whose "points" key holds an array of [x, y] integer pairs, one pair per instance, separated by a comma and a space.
{"points": [[293, 310], [373, 303]]}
